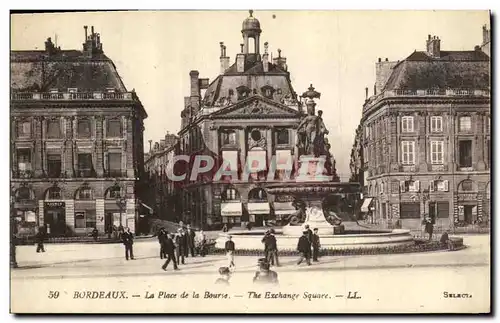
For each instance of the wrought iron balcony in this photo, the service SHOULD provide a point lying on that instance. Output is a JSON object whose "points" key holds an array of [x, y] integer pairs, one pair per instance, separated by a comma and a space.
{"points": [[72, 96]]}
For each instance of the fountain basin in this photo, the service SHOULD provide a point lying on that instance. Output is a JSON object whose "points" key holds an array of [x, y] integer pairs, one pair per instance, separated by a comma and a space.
{"points": [[349, 240]]}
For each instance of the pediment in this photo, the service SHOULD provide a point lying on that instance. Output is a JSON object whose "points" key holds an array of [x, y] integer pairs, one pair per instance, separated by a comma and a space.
{"points": [[257, 107]]}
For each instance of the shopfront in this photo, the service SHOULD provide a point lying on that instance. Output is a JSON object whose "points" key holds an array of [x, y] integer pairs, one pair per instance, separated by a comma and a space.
{"points": [[258, 213], [55, 218], [231, 213], [25, 210]]}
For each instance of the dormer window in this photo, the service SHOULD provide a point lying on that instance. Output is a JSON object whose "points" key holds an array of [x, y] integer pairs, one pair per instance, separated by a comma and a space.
{"points": [[267, 91], [243, 92]]}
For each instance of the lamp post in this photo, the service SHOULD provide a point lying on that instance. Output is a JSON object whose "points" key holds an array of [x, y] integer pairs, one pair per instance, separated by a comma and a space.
{"points": [[121, 204], [13, 229], [425, 195]]}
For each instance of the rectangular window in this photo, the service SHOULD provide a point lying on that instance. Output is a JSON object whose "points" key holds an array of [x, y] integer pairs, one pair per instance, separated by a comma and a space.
{"points": [[85, 166], [115, 164], [407, 124], [84, 128], [53, 129], [24, 129], [24, 163], [53, 165], [90, 219], [465, 124], [443, 209], [436, 124], [282, 137], [114, 129], [409, 210], [229, 137], [408, 152], [465, 153], [437, 152], [80, 220]]}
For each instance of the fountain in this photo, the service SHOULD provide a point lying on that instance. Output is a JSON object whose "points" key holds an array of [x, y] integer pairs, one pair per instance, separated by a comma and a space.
{"points": [[321, 200]]}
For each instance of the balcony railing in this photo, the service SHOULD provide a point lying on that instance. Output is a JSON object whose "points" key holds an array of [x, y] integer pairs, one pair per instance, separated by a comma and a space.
{"points": [[70, 96], [426, 93]]}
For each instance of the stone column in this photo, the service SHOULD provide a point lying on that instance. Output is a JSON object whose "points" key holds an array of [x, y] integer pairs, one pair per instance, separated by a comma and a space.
{"points": [[129, 149], [243, 147], [100, 214], [41, 212], [99, 145], [37, 155], [70, 213], [130, 211], [270, 142]]}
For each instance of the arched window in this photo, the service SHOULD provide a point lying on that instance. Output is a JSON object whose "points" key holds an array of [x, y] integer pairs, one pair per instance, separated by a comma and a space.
{"points": [[230, 194], [467, 186], [24, 193], [257, 194], [84, 193], [54, 193], [114, 192]]}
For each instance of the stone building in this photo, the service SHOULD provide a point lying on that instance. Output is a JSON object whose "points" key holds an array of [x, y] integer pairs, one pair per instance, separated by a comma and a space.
{"points": [[249, 111], [424, 139], [76, 141], [163, 195]]}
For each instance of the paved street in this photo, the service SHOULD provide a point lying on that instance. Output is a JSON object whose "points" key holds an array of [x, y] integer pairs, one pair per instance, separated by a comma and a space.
{"points": [[387, 282]]}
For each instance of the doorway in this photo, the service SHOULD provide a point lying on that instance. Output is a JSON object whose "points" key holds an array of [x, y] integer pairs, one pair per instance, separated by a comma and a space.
{"points": [[469, 214], [259, 220], [55, 220]]}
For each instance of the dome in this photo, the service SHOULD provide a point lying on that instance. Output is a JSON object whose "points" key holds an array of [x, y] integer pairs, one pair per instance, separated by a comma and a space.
{"points": [[251, 23]]}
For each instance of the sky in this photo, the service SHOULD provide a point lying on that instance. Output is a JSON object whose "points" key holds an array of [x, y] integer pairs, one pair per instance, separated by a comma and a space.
{"points": [[336, 51]]}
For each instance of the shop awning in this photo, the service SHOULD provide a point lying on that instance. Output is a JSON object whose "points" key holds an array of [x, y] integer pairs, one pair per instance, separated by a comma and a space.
{"points": [[283, 208], [366, 204], [231, 209], [258, 208], [147, 207]]}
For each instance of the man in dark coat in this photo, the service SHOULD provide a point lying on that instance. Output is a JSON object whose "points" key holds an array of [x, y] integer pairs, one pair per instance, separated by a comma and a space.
{"points": [[315, 244], [304, 247], [272, 249], [40, 239], [264, 275], [266, 244], [169, 248], [128, 241], [429, 226], [180, 246], [161, 239], [229, 247], [191, 235]]}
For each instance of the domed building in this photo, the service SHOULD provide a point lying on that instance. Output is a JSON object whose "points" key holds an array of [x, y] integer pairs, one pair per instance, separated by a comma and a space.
{"points": [[249, 111]]}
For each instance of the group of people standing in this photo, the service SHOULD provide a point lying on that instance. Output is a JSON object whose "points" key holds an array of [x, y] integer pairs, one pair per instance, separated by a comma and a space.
{"points": [[175, 247], [309, 244]]}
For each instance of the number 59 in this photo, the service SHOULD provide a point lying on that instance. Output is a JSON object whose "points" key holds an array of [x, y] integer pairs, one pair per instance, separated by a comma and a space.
{"points": [[53, 294]]}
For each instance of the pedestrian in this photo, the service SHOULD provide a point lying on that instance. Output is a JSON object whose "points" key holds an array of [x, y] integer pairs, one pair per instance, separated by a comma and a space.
{"points": [[446, 241], [161, 240], [224, 228], [266, 244], [190, 235], [40, 239], [202, 239], [429, 226], [309, 234], [128, 241], [225, 275], [272, 252], [180, 246], [230, 248], [264, 275], [169, 248], [95, 233], [304, 247], [315, 245]]}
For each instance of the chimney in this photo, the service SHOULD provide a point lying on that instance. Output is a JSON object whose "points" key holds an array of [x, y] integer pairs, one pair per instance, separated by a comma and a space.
{"points": [[374, 89], [280, 61], [366, 93], [386, 59], [486, 35], [86, 36], [240, 63], [379, 60], [49, 47], [224, 60], [150, 142], [195, 91], [92, 43], [265, 58], [433, 46]]}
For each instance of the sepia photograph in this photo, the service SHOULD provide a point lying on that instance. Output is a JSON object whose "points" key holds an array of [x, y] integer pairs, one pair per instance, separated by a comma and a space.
{"points": [[250, 162]]}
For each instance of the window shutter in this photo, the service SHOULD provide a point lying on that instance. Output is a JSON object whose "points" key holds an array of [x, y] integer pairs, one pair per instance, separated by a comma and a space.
{"points": [[417, 186], [446, 186], [402, 186], [431, 186]]}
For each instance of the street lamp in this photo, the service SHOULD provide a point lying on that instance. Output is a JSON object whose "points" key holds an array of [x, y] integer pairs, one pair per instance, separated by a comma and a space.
{"points": [[425, 195], [13, 229], [121, 204]]}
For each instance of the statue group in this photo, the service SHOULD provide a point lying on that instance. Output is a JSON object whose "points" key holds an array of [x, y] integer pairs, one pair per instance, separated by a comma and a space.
{"points": [[311, 133]]}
